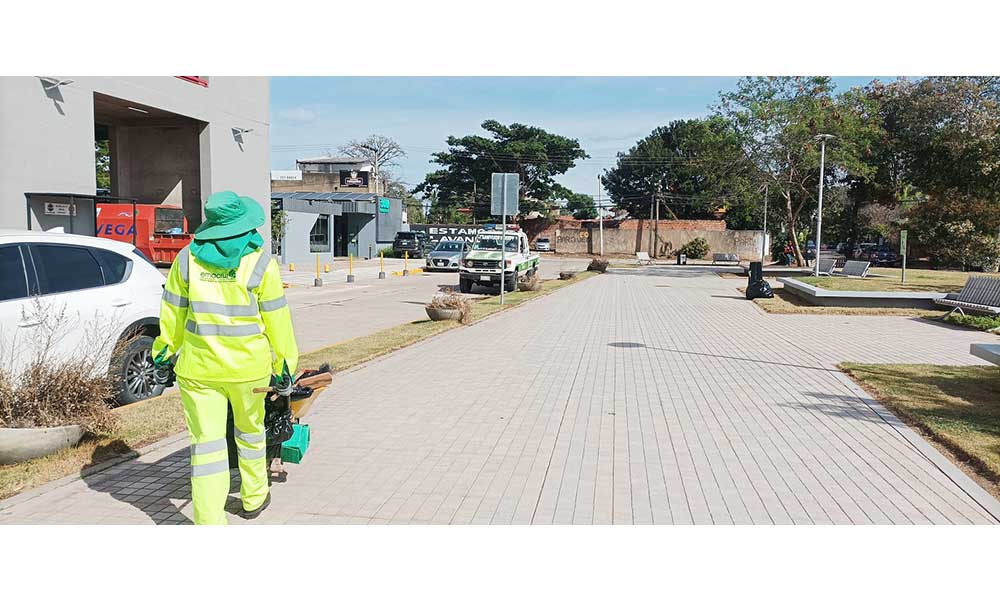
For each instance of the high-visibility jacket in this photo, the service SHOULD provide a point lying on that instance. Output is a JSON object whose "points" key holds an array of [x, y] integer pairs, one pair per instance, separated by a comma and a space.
{"points": [[226, 325]]}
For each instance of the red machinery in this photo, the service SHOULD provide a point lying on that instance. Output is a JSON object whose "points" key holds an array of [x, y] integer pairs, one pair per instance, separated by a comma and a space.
{"points": [[159, 231]]}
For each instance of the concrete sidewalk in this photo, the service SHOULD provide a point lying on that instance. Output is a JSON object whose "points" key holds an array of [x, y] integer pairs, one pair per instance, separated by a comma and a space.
{"points": [[651, 395]]}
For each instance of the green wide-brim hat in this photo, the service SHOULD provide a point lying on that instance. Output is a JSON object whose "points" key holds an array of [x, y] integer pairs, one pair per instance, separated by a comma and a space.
{"points": [[228, 214]]}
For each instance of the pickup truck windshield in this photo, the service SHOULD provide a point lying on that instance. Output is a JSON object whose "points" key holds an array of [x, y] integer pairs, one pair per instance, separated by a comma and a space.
{"points": [[492, 242]]}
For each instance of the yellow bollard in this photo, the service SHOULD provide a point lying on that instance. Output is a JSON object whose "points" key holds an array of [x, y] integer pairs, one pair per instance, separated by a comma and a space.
{"points": [[291, 266], [381, 265], [326, 268], [406, 258], [317, 282], [350, 268]]}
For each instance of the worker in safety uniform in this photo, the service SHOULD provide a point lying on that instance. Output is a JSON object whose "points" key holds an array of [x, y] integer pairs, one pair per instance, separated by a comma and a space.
{"points": [[225, 328]]}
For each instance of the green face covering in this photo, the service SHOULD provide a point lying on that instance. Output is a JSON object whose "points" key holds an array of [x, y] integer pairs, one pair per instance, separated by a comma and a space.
{"points": [[227, 252]]}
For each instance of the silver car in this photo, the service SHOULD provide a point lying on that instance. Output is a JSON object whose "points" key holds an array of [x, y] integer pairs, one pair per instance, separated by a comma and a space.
{"points": [[447, 255]]}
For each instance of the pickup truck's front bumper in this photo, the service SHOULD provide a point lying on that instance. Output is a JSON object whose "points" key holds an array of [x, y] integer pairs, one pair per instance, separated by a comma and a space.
{"points": [[486, 278]]}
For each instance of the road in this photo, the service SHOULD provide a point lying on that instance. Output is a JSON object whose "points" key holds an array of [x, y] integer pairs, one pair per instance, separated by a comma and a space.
{"points": [[654, 395]]}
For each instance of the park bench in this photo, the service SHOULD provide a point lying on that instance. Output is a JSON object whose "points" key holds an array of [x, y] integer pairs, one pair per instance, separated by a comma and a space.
{"points": [[643, 258], [826, 266], [725, 257], [855, 268], [980, 294]]}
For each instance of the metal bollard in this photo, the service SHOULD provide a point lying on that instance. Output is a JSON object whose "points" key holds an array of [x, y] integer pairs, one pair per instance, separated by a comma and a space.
{"points": [[350, 268], [381, 265]]}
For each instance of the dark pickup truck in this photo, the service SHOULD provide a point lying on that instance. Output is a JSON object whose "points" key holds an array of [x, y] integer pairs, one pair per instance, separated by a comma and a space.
{"points": [[413, 242]]}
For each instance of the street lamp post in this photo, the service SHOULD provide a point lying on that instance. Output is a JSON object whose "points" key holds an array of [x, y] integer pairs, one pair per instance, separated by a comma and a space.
{"points": [[819, 214]]}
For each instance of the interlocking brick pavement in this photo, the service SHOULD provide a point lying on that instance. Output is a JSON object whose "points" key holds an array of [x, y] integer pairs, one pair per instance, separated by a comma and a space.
{"points": [[652, 395]]}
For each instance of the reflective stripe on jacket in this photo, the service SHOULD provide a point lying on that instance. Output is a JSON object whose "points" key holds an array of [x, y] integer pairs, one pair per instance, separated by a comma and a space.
{"points": [[226, 325]]}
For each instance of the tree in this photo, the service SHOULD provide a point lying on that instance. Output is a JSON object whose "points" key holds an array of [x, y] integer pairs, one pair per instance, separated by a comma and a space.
{"points": [[776, 120], [689, 165], [394, 187], [381, 151], [102, 155], [581, 206], [465, 177]]}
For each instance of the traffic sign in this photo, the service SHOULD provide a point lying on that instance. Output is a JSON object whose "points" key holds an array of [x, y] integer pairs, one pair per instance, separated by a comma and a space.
{"points": [[504, 194]]}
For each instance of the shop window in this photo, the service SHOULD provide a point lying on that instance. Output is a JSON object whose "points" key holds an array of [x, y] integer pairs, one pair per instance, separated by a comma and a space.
{"points": [[319, 235]]}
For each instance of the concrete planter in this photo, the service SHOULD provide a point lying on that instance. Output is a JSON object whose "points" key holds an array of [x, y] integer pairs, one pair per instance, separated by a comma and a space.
{"points": [[824, 297], [18, 445], [443, 314]]}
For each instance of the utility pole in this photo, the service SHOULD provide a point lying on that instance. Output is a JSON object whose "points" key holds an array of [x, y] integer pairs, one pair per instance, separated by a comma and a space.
{"points": [[473, 201], [819, 215], [656, 222], [600, 214], [650, 247], [763, 242]]}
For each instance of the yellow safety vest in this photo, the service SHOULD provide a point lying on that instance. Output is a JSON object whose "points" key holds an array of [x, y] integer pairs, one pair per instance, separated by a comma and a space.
{"points": [[226, 325]]}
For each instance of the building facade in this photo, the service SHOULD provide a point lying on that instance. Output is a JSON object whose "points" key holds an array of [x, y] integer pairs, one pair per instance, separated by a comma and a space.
{"points": [[326, 174], [170, 140]]}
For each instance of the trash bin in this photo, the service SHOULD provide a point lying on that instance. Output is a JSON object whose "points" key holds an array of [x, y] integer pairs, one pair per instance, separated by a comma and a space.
{"points": [[682, 259], [756, 272]]}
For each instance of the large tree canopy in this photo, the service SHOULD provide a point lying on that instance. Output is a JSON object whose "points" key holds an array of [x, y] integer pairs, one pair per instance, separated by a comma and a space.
{"points": [[465, 177], [689, 166]]}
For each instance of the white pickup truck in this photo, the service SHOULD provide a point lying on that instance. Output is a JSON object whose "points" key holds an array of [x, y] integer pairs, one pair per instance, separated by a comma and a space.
{"points": [[481, 265]]}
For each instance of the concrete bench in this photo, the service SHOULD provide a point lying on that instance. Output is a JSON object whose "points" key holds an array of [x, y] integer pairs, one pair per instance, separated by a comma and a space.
{"points": [[826, 266], [725, 257], [643, 258], [980, 294], [855, 268]]}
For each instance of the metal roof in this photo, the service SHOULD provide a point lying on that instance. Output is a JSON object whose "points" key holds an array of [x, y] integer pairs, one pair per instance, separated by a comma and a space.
{"points": [[335, 160], [326, 196]]}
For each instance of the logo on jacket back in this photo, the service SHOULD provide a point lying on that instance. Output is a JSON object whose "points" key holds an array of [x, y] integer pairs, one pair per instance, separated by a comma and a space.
{"points": [[219, 276]]}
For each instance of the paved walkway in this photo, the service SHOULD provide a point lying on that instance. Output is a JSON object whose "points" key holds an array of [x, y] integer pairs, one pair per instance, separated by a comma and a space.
{"points": [[640, 396]]}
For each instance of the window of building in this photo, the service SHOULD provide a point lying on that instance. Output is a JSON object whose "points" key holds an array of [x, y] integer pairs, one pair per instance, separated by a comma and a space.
{"points": [[15, 282], [65, 268], [319, 235]]}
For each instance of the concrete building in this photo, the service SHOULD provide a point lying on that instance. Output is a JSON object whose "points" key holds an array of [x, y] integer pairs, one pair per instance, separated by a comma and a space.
{"points": [[331, 208], [172, 140]]}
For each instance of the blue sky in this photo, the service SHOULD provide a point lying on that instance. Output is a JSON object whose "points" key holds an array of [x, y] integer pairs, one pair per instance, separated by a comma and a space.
{"points": [[606, 114]]}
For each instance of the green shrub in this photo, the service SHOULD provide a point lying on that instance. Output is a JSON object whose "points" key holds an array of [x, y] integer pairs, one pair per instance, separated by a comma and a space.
{"points": [[696, 248], [984, 323]]}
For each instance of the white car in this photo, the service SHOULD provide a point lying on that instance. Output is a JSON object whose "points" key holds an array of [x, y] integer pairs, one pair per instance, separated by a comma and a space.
{"points": [[102, 287], [543, 244]]}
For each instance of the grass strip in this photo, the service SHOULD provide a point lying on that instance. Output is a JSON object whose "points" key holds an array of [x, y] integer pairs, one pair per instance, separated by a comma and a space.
{"points": [[146, 422], [786, 303], [956, 407]]}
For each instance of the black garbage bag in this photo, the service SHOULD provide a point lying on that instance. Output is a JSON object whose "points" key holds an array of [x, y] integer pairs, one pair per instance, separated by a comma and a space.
{"points": [[759, 289]]}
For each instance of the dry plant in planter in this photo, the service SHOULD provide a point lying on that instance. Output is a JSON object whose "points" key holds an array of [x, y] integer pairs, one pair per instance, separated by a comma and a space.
{"points": [[450, 305], [50, 385], [532, 284], [598, 264]]}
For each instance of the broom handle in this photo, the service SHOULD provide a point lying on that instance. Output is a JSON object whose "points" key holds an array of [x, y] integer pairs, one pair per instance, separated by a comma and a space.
{"points": [[317, 380]]}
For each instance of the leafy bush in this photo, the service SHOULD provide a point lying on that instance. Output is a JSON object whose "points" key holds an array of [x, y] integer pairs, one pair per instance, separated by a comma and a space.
{"points": [[390, 253], [696, 248], [451, 300], [598, 264], [59, 386], [984, 323]]}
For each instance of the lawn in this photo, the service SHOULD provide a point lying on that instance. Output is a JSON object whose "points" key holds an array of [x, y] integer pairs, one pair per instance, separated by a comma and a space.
{"points": [[917, 280], [980, 322], [957, 407], [146, 422]]}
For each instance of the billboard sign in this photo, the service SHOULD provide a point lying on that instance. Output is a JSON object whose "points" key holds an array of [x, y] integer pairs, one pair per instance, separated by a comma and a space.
{"points": [[354, 178]]}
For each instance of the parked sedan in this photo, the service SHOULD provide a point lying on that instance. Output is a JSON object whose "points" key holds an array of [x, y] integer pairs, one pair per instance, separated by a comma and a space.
{"points": [[106, 292], [543, 245], [446, 256]]}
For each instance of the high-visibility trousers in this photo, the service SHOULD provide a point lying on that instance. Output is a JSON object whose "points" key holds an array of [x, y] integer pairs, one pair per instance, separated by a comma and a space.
{"points": [[205, 413]]}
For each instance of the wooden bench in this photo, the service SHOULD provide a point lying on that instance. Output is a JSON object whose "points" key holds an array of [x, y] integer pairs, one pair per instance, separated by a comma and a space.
{"points": [[980, 294], [725, 257], [855, 268], [643, 258]]}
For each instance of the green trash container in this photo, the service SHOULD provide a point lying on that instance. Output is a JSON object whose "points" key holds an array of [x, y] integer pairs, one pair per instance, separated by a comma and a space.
{"points": [[295, 448]]}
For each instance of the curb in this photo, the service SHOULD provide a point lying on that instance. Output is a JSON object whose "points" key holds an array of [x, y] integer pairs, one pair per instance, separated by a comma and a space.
{"points": [[98, 468], [978, 495]]}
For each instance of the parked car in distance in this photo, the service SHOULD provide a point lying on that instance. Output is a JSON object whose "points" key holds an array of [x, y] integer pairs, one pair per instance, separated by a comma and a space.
{"points": [[415, 243], [543, 244], [881, 255], [106, 288], [447, 255]]}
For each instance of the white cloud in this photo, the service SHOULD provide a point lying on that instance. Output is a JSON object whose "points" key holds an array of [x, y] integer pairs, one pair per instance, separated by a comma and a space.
{"points": [[298, 113]]}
